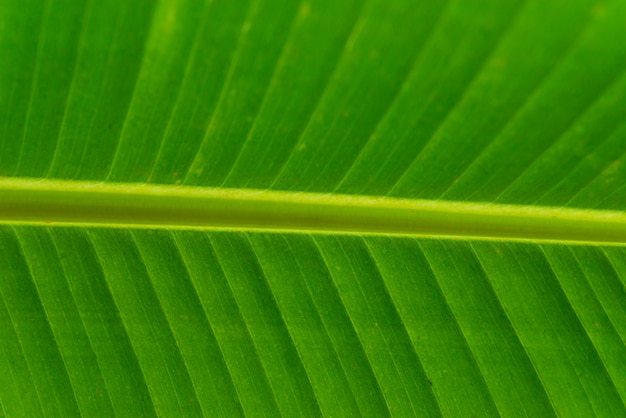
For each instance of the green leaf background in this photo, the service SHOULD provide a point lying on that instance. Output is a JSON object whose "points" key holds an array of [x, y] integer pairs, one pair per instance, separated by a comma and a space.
{"points": [[502, 102]]}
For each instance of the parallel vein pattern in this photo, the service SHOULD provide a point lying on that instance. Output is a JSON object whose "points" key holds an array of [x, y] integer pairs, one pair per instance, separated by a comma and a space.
{"points": [[233, 324], [346, 124], [518, 103]]}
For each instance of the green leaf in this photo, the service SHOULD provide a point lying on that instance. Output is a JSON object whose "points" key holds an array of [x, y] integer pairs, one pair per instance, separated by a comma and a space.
{"points": [[336, 208]]}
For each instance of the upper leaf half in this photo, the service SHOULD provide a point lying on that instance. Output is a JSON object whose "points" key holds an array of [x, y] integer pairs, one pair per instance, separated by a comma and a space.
{"points": [[512, 102]]}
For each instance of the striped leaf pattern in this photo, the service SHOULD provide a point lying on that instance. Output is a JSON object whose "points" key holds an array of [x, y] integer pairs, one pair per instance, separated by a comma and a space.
{"points": [[517, 102]]}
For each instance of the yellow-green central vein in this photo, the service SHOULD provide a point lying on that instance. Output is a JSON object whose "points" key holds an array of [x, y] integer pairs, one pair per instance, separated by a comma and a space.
{"points": [[101, 204]]}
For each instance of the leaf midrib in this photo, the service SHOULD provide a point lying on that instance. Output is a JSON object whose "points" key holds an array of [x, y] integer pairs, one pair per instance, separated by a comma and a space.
{"points": [[35, 201]]}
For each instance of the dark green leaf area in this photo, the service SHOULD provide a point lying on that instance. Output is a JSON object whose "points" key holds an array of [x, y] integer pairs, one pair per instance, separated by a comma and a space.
{"points": [[227, 323]]}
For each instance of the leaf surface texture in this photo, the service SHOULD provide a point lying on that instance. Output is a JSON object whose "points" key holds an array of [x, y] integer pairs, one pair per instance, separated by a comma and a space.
{"points": [[515, 104]]}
